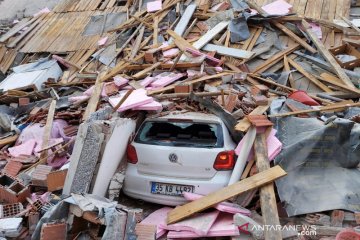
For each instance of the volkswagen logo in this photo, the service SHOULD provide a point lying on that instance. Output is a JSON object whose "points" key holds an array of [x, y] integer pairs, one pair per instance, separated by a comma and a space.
{"points": [[173, 157]]}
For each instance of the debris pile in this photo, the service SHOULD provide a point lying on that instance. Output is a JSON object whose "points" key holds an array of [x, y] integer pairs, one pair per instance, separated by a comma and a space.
{"points": [[283, 78]]}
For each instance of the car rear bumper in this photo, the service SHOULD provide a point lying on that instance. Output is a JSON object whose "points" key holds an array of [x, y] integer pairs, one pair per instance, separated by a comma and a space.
{"points": [[138, 186]]}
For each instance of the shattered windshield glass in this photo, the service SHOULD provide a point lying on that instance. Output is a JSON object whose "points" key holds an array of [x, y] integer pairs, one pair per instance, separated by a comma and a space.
{"points": [[192, 134]]}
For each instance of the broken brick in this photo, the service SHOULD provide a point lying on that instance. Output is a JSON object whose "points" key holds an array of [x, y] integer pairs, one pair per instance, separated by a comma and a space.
{"points": [[52, 231], [39, 176], [259, 120], [12, 168], [56, 180]]}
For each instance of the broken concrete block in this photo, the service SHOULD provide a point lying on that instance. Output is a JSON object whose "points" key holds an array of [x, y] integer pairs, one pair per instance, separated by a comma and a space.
{"points": [[114, 152], [84, 158]]}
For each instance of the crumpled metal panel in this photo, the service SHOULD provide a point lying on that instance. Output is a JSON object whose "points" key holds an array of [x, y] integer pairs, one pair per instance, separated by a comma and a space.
{"points": [[321, 162]]}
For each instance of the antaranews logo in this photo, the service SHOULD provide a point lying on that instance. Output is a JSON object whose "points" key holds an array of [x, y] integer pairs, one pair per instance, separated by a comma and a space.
{"points": [[303, 230]]}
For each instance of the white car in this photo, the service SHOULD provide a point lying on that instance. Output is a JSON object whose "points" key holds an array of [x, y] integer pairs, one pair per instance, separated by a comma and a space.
{"points": [[191, 152]]}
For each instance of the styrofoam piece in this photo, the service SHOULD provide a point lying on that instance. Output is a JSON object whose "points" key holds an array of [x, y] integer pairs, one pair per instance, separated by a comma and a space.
{"points": [[156, 218], [26, 148], [199, 224], [147, 81], [137, 98], [223, 206], [223, 227], [165, 79], [153, 106], [154, 6], [279, 7], [120, 81]]}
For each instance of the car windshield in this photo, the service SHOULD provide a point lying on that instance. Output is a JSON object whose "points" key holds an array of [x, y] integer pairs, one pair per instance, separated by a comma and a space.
{"points": [[187, 134]]}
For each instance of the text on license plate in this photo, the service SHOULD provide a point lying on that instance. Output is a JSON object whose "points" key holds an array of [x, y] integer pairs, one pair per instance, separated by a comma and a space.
{"points": [[170, 189]]}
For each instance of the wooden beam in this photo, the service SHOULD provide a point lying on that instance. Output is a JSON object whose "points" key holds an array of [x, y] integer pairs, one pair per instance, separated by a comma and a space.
{"points": [[47, 129], [353, 26], [120, 66], [209, 35], [287, 68], [327, 55], [156, 31], [225, 193], [326, 108], [309, 76], [94, 99], [274, 59], [267, 194], [202, 79], [184, 21], [226, 51], [294, 37], [146, 70], [136, 47], [244, 124], [330, 79], [122, 100]]}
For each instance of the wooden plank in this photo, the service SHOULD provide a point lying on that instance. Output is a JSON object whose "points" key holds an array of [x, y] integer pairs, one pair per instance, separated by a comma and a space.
{"points": [[184, 21], [287, 69], [209, 35], [94, 99], [335, 81], [267, 194], [205, 78], [243, 125], [353, 26], [47, 129], [146, 70], [332, 107], [225, 193], [309, 76], [20, 25], [276, 58], [156, 31], [136, 47], [327, 55], [226, 51], [255, 38], [294, 37]]}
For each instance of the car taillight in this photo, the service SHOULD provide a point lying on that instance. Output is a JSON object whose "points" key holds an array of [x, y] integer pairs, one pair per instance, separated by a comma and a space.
{"points": [[225, 161], [131, 154]]}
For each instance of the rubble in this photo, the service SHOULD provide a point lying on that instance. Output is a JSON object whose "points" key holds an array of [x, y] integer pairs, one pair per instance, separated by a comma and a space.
{"points": [[281, 79]]}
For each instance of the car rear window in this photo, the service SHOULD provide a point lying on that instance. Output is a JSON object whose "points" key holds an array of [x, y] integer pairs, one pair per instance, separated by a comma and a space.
{"points": [[183, 134]]}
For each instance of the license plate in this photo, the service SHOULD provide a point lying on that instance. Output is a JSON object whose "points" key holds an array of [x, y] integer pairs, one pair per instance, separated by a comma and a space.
{"points": [[170, 189]]}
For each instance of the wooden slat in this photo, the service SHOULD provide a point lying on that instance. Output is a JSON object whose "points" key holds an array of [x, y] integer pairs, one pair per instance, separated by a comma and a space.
{"points": [[327, 55], [48, 127], [267, 194], [309, 76], [274, 59], [225, 193]]}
